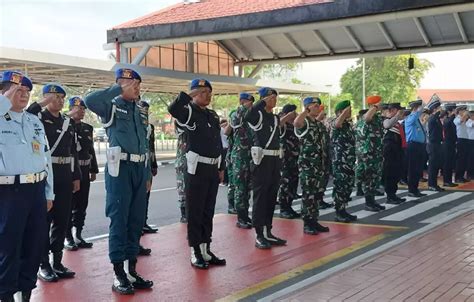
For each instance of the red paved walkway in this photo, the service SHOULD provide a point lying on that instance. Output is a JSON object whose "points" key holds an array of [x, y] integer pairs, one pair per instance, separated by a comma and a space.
{"points": [[436, 266], [248, 271]]}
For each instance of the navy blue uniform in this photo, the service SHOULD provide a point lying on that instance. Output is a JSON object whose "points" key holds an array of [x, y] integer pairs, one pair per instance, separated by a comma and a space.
{"points": [[449, 149], [435, 155]]}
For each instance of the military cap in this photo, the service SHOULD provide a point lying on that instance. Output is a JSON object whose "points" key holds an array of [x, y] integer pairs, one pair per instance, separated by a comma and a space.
{"points": [[76, 101], [362, 112], [16, 78], [311, 100], [288, 108], [426, 110], [53, 88], [127, 73], [415, 103], [374, 99], [266, 91], [449, 106], [394, 106], [434, 102], [342, 105], [246, 96], [384, 106], [462, 107], [200, 83]]}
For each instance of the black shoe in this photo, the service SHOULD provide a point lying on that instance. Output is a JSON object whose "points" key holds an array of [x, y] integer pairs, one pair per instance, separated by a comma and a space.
{"points": [[26, 296], [352, 218], [121, 283], [231, 210], [210, 257], [183, 218], [262, 243], [324, 205], [148, 229], [416, 194], [289, 213], [393, 200], [400, 199], [309, 228], [46, 273], [340, 217], [450, 185], [274, 240], [71, 245], [379, 193], [370, 204], [196, 258], [143, 251], [82, 243], [381, 207], [59, 268], [137, 281], [437, 189], [403, 183], [243, 224], [460, 180], [423, 179], [321, 228]]}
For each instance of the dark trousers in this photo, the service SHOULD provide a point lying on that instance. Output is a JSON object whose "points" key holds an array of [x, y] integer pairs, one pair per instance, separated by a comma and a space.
{"points": [[416, 153], [404, 167], [470, 162], [449, 160], [80, 200], [462, 146], [435, 162], [265, 180], [201, 191], [22, 233], [392, 170], [125, 206]]}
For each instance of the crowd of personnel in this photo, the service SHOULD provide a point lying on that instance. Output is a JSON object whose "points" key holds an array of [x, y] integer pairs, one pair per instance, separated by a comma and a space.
{"points": [[47, 162]]}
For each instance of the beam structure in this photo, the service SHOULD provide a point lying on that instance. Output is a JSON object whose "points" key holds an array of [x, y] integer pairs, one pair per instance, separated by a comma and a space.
{"points": [[294, 45], [255, 71], [351, 36], [141, 55], [422, 31], [386, 35], [266, 47], [460, 27], [321, 41]]}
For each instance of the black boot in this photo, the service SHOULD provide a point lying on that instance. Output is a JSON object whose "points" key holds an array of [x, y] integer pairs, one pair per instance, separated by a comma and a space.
{"points": [[137, 281], [349, 216], [359, 190], [393, 199], [324, 205], [59, 268], [82, 243], [7, 298], [46, 272], [370, 204], [142, 251], [272, 238], [288, 213], [147, 229], [183, 218], [243, 220], [70, 244], [197, 259], [320, 228], [26, 296], [340, 217], [121, 283], [261, 242], [309, 227], [209, 256]]}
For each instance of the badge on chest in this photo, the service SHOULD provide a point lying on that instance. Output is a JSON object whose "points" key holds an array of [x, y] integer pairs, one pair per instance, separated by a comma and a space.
{"points": [[35, 145]]}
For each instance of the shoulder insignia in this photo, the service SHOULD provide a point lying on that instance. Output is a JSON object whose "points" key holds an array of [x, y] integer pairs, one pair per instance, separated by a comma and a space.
{"points": [[7, 116], [48, 121]]}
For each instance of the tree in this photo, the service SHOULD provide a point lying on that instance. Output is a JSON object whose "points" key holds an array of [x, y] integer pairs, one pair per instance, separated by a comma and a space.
{"points": [[388, 77]]}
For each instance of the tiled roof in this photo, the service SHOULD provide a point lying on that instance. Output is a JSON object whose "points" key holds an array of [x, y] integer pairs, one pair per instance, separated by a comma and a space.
{"points": [[447, 95], [210, 9]]}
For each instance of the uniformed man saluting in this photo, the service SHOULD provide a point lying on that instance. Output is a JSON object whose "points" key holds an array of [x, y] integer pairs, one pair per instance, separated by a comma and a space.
{"points": [[26, 188], [204, 167], [126, 176], [62, 141]]}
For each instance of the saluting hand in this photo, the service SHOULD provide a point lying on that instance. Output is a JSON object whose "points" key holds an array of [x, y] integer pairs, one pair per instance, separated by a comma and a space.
{"points": [[48, 98], [10, 93], [128, 87], [76, 186]]}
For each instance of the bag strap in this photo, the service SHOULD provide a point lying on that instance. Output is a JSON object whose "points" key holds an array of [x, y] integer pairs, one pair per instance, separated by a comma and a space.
{"points": [[273, 133], [112, 115], [304, 132], [65, 126]]}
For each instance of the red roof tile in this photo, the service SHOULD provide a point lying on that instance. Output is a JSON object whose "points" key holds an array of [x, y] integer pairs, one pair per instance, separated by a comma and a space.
{"points": [[447, 95], [209, 9]]}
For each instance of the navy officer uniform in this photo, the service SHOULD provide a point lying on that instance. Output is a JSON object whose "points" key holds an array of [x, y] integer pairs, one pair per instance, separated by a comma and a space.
{"points": [[26, 182], [434, 147], [266, 173], [204, 163], [89, 169], [449, 145], [62, 142], [126, 174]]}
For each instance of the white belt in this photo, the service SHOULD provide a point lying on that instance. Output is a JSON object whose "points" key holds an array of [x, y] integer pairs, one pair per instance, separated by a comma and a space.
{"points": [[208, 160], [267, 152], [61, 160], [136, 158], [24, 179], [84, 162]]}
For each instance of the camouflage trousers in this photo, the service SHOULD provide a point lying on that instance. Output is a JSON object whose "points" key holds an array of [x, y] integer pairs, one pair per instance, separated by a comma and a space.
{"points": [[369, 172], [343, 182], [230, 183], [288, 183], [241, 181], [181, 167], [313, 182]]}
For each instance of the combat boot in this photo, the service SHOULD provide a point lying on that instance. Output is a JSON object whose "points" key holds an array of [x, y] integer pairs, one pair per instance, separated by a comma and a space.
{"points": [[351, 217], [121, 283], [209, 256], [46, 272], [320, 228], [393, 199], [70, 244], [261, 242], [82, 243], [26, 296], [137, 281], [370, 204], [288, 213], [324, 205], [183, 218], [272, 238], [197, 259], [309, 227], [143, 251], [243, 220], [59, 268], [359, 192], [340, 217]]}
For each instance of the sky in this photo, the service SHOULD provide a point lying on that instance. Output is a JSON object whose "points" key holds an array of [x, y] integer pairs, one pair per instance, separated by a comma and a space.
{"points": [[78, 28]]}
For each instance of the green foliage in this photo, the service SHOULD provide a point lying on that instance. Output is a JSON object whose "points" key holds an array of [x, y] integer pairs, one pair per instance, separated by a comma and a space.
{"points": [[388, 77]]}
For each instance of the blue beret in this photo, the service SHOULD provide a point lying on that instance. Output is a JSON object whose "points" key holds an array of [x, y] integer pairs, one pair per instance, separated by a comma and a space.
{"points": [[288, 108], [310, 100], [127, 73], [246, 96], [198, 83], [76, 101], [53, 88], [16, 78], [266, 91]]}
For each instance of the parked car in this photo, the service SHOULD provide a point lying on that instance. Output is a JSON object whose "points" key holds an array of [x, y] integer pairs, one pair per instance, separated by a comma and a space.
{"points": [[100, 135]]}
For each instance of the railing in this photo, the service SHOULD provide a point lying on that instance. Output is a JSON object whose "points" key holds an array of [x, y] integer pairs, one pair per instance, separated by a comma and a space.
{"points": [[160, 146]]}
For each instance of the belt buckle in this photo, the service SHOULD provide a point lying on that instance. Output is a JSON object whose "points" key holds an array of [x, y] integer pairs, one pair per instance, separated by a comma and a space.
{"points": [[61, 160], [30, 178], [133, 157]]}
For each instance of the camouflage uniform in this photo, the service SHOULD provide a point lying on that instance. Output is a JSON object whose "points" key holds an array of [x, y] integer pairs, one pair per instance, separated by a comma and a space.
{"points": [[230, 174], [180, 165], [290, 144], [343, 151], [313, 162], [369, 153]]}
